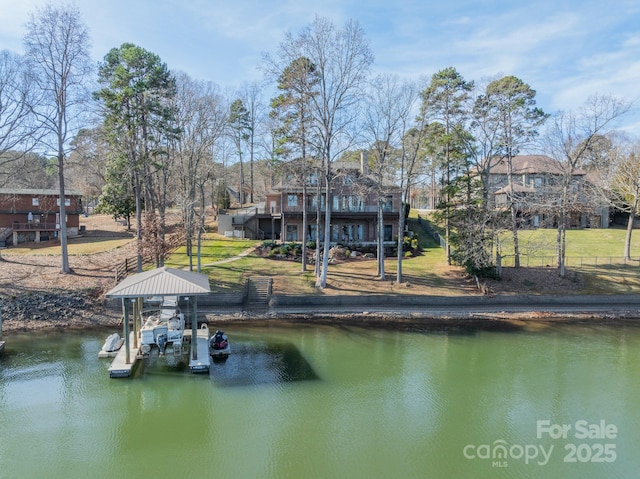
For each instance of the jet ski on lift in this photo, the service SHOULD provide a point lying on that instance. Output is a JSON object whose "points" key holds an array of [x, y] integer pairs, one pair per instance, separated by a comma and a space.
{"points": [[219, 345]]}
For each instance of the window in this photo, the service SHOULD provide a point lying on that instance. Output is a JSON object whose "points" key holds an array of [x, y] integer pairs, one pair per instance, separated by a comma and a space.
{"points": [[292, 200], [67, 201], [312, 234], [312, 179], [313, 203], [35, 201], [355, 203], [347, 180], [387, 203], [388, 232], [292, 232], [537, 182]]}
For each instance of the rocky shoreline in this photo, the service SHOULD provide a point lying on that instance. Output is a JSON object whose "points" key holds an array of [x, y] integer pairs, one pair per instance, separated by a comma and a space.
{"points": [[83, 310], [53, 310]]}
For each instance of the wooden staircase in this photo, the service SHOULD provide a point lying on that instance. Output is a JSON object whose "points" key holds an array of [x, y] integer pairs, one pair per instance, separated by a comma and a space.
{"points": [[258, 291], [5, 233]]}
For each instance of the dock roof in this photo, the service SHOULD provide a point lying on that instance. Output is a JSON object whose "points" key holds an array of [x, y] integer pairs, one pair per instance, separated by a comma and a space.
{"points": [[162, 282]]}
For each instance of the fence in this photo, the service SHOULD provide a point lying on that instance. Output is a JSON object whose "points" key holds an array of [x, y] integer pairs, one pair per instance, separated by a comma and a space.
{"points": [[130, 265], [436, 236], [569, 261], [546, 261]]}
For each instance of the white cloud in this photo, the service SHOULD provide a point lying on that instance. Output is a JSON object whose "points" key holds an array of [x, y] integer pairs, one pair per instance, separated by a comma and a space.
{"points": [[566, 50]]}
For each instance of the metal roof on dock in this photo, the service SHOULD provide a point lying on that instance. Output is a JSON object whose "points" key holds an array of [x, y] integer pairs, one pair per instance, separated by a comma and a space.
{"points": [[162, 282]]}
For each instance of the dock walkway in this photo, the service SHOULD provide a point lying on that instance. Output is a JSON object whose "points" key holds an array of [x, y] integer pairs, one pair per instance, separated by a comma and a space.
{"points": [[203, 361], [119, 367]]}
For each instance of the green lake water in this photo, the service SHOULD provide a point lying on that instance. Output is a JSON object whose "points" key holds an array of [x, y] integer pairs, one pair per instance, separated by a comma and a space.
{"points": [[330, 402]]}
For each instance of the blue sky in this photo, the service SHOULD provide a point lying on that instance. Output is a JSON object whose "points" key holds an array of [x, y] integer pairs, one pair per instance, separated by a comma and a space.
{"points": [[567, 50]]}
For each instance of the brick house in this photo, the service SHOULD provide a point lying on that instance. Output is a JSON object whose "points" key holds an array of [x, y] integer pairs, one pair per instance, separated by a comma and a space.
{"points": [[535, 181], [354, 215], [34, 215]]}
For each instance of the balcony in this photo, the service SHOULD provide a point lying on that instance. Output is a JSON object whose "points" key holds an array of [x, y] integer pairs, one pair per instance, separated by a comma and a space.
{"points": [[21, 227]]}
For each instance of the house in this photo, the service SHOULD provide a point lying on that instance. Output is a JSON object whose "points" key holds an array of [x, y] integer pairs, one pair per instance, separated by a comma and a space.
{"points": [[354, 214], [34, 215], [534, 190]]}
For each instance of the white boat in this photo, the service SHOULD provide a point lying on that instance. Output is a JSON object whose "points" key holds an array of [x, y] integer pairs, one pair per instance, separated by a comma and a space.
{"points": [[111, 346], [219, 345], [167, 327]]}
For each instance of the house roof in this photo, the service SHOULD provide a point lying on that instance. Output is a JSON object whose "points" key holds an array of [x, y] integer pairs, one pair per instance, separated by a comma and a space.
{"points": [[38, 192], [162, 282], [517, 188], [531, 164]]}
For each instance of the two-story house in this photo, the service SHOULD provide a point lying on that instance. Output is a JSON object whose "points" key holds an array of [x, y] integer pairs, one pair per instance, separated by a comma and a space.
{"points": [[534, 189], [354, 213], [34, 215]]}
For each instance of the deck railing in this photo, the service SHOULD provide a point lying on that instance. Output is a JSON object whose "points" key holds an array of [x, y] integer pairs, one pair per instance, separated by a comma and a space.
{"points": [[35, 226]]}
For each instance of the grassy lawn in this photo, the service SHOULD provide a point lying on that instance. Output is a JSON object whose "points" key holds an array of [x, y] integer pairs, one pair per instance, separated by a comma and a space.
{"points": [[594, 253], [426, 272], [586, 246], [75, 246], [215, 248]]}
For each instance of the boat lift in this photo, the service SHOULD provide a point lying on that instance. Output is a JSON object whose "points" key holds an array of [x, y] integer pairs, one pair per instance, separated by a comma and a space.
{"points": [[159, 282]]}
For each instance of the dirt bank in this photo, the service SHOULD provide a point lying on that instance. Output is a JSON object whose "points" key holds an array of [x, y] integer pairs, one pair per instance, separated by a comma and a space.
{"points": [[47, 310]]}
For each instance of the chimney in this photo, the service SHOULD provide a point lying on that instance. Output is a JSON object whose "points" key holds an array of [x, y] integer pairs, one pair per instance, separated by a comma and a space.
{"points": [[364, 163]]}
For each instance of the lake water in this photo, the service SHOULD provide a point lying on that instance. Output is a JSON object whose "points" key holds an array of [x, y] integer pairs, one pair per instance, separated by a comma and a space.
{"points": [[330, 402]]}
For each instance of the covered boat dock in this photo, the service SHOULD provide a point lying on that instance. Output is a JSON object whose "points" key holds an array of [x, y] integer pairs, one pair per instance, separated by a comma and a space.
{"points": [[159, 282]]}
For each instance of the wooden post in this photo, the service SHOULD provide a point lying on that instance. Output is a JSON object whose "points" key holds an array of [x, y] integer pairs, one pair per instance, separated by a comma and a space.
{"points": [[126, 331], [137, 323], [194, 330]]}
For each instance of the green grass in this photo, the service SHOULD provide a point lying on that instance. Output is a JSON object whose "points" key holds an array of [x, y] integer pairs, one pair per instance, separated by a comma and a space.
{"points": [[215, 248], [595, 253], [583, 247], [75, 246]]}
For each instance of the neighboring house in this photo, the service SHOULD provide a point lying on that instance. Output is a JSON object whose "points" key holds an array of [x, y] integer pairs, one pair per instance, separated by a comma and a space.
{"points": [[354, 215], [34, 215], [534, 189]]}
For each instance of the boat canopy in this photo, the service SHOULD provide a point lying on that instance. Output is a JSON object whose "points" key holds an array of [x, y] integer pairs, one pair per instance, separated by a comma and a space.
{"points": [[162, 282]]}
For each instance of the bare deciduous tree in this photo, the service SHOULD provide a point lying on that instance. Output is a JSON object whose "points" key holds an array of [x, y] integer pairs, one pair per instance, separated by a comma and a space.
{"points": [[342, 60], [57, 45], [17, 125], [569, 141], [389, 106], [201, 117]]}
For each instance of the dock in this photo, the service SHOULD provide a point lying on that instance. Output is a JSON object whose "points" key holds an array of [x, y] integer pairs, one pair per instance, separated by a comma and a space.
{"points": [[119, 367], [203, 363], [1, 346]]}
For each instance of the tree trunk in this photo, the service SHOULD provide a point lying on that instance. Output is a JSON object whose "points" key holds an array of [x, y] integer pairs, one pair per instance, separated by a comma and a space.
{"points": [[514, 231], [322, 283], [318, 225], [63, 218], [400, 244], [380, 240], [627, 241], [138, 225], [304, 222]]}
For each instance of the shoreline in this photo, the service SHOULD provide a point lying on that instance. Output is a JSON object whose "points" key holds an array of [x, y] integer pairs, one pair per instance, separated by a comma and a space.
{"points": [[105, 319], [74, 310]]}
